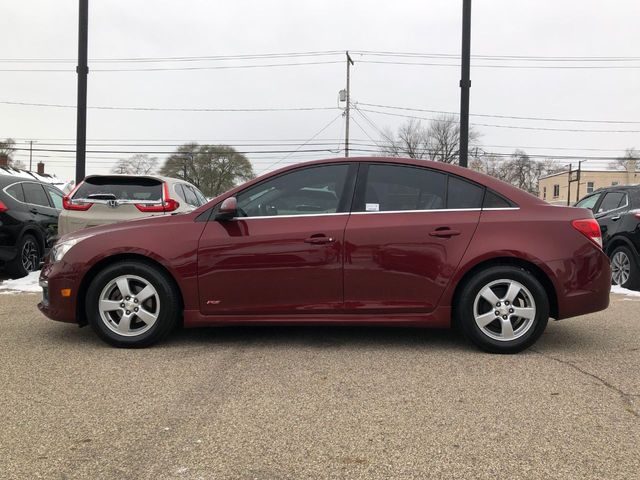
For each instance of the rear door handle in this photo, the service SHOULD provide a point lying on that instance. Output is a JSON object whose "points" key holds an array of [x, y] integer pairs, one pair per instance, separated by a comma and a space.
{"points": [[444, 233], [319, 240], [617, 217], [34, 210]]}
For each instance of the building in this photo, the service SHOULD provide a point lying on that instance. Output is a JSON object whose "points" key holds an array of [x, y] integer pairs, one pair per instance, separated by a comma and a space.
{"points": [[555, 189]]}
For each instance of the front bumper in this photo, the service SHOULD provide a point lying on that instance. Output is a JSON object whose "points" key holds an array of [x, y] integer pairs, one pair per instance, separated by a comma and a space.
{"points": [[53, 279]]}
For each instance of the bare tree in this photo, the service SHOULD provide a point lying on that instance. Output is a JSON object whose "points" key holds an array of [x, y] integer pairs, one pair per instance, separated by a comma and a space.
{"points": [[629, 161], [7, 148], [440, 141], [140, 164]]}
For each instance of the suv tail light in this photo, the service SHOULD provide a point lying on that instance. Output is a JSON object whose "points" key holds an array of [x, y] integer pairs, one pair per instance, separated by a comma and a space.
{"points": [[589, 228], [3, 207], [168, 204], [69, 204]]}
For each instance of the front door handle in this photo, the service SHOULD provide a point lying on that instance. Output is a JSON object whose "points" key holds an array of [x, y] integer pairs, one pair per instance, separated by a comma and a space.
{"points": [[319, 240], [444, 233], [617, 217]]}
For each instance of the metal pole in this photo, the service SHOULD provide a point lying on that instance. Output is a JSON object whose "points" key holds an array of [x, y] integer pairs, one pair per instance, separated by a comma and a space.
{"points": [[30, 155], [82, 70], [579, 178], [465, 82], [569, 185], [346, 133]]}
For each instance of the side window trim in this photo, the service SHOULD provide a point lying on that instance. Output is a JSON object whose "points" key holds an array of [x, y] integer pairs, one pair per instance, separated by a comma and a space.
{"points": [[18, 185]]}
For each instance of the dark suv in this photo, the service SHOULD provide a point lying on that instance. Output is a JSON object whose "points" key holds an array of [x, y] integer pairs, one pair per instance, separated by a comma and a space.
{"points": [[617, 210], [29, 212]]}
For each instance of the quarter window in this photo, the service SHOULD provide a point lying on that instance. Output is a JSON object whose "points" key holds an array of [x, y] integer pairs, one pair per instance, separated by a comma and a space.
{"points": [[399, 188], [309, 191], [16, 192], [493, 200], [190, 197], [56, 198]]}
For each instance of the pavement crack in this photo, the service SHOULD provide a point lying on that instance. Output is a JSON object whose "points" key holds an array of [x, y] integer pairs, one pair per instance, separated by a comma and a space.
{"points": [[626, 397]]}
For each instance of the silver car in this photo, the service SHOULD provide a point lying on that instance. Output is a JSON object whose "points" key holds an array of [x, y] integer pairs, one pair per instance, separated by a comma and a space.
{"points": [[104, 199]]}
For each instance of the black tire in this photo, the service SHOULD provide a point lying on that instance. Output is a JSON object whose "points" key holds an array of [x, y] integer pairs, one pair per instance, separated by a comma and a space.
{"points": [[633, 282], [167, 308], [20, 267], [525, 331]]}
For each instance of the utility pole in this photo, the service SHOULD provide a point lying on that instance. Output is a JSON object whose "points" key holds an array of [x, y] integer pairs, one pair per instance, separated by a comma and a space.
{"points": [[30, 155], [569, 185], [465, 82], [82, 70], [579, 178], [346, 133]]}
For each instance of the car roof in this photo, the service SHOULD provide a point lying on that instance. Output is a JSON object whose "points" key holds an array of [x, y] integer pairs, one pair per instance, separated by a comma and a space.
{"points": [[514, 194]]}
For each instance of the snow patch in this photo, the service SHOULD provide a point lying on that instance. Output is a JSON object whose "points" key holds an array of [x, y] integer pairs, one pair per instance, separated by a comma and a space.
{"points": [[624, 291], [26, 284]]}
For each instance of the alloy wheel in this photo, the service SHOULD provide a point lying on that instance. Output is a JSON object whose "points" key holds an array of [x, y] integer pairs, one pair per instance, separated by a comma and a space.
{"points": [[620, 268], [129, 305], [30, 256], [504, 310]]}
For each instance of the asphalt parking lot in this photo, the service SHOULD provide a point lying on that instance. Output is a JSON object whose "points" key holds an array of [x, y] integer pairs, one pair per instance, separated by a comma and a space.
{"points": [[271, 403]]}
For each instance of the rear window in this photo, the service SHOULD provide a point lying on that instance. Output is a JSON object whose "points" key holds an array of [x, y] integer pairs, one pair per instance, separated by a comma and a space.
{"points": [[120, 188]]}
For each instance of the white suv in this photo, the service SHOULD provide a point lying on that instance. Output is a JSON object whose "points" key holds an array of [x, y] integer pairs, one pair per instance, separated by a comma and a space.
{"points": [[104, 199]]}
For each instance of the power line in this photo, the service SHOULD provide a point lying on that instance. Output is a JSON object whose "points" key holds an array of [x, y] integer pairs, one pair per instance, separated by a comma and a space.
{"points": [[516, 127], [546, 119]]}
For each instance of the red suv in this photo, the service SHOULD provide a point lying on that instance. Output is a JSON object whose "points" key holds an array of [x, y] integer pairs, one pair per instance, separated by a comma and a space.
{"points": [[375, 241]]}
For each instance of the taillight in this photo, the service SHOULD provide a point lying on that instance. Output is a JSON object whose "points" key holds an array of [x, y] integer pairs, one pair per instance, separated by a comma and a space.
{"points": [[3, 207], [589, 228], [69, 204], [168, 204]]}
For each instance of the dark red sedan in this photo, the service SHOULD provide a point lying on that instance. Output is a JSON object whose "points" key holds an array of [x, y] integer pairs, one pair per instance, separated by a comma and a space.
{"points": [[374, 241]]}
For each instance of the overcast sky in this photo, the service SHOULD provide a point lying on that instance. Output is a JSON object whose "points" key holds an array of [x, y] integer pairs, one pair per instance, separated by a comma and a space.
{"points": [[41, 29]]}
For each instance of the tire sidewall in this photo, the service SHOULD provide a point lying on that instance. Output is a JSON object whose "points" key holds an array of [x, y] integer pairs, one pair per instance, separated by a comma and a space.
{"points": [[15, 268], [167, 318], [464, 317]]}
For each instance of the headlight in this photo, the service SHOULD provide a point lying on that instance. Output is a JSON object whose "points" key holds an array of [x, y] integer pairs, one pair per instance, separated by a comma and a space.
{"points": [[59, 250]]}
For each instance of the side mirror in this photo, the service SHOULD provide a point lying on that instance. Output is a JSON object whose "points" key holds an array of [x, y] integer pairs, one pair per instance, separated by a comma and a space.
{"points": [[228, 209]]}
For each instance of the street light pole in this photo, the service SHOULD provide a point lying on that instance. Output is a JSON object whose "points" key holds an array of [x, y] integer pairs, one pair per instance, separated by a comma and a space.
{"points": [[465, 82], [82, 70]]}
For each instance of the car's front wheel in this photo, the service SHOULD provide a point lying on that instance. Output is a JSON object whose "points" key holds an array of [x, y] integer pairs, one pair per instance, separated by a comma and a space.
{"points": [[625, 271], [27, 259], [502, 309], [132, 304]]}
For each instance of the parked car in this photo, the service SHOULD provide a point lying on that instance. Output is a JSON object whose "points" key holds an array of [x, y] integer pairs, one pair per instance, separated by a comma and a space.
{"points": [[105, 199], [617, 210], [29, 212], [373, 241]]}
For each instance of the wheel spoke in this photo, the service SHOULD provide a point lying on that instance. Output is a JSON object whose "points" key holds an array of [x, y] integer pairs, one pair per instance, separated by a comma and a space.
{"points": [[485, 319], [525, 312], [512, 292], [109, 305], [125, 324], [489, 296], [123, 286], [147, 317], [145, 293], [507, 329]]}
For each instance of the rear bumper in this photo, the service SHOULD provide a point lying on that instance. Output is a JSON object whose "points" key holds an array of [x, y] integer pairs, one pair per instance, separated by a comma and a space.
{"points": [[583, 283]]}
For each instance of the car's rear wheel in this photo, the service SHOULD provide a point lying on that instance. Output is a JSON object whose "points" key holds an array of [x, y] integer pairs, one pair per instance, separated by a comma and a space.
{"points": [[132, 304], [502, 309], [27, 259], [624, 268]]}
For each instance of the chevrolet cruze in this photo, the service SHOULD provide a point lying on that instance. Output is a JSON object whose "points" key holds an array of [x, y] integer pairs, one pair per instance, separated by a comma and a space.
{"points": [[358, 241]]}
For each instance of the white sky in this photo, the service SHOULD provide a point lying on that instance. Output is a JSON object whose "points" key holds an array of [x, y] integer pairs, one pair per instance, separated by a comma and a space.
{"points": [[134, 28]]}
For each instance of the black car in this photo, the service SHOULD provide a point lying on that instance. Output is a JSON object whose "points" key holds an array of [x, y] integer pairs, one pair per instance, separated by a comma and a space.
{"points": [[29, 212], [617, 210]]}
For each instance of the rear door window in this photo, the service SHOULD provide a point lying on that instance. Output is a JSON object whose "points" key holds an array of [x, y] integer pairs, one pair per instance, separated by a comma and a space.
{"points": [[611, 201], [589, 202], [35, 194], [463, 194], [120, 188], [16, 192], [392, 188]]}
